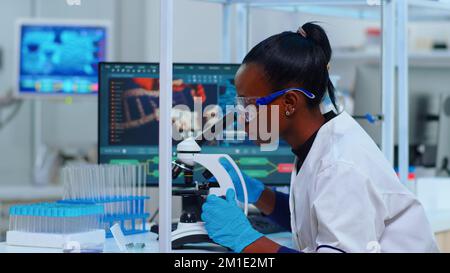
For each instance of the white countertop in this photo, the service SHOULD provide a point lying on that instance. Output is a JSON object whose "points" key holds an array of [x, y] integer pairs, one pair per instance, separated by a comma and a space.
{"points": [[432, 192], [439, 220], [151, 245]]}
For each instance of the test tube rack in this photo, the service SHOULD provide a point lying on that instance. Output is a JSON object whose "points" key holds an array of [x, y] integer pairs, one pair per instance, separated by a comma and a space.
{"points": [[53, 225], [128, 211], [120, 189]]}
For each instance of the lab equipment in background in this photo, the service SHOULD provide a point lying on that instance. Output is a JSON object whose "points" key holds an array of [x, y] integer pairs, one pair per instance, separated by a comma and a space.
{"points": [[190, 228], [343, 99], [372, 119], [428, 44], [373, 39], [119, 237], [440, 45], [46, 166], [123, 244], [120, 189], [427, 85], [344, 102], [443, 153], [59, 57], [124, 128], [10, 105], [55, 225]]}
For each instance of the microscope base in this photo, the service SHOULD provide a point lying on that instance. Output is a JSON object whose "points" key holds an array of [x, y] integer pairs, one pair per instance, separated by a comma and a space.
{"points": [[189, 233]]}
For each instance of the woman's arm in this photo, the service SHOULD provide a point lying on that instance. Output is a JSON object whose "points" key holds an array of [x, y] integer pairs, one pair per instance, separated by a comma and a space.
{"points": [[265, 245], [262, 245], [266, 202], [276, 206]]}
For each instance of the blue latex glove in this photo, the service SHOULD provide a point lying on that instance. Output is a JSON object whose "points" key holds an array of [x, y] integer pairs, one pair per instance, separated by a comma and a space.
{"points": [[254, 186], [227, 224]]}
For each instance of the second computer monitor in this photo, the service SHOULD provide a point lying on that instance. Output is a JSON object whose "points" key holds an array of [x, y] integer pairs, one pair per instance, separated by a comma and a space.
{"points": [[60, 57], [129, 117]]}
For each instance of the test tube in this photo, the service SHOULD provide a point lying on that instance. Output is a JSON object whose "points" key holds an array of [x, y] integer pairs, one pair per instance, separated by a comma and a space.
{"points": [[116, 179], [122, 188], [12, 219], [130, 183], [138, 190], [99, 184], [134, 187], [144, 186]]}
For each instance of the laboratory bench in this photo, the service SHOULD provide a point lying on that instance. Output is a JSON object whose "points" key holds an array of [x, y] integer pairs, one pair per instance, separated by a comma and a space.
{"points": [[151, 245], [432, 192], [439, 220]]}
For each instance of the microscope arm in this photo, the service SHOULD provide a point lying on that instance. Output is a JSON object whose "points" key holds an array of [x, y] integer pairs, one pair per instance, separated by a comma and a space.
{"points": [[212, 163]]}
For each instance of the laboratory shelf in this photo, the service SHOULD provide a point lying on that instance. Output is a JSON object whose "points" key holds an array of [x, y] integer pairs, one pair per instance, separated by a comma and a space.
{"points": [[419, 10], [151, 245], [434, 56], [358, 9]]}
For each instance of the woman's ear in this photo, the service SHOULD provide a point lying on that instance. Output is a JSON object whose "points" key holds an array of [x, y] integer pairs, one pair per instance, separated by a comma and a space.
{"points": [[291, 102]]}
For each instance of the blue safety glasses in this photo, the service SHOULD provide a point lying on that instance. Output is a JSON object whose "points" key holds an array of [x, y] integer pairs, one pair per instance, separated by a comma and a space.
{"points": [[257, 101], [250, 112], [269, 99]]}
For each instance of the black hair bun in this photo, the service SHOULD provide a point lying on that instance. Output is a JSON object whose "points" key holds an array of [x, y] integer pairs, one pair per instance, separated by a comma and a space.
{"points": [[288, 60], [318, 35]]}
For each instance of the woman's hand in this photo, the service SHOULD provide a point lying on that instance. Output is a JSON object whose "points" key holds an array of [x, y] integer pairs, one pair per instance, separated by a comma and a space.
{"points": [[227, 224]]}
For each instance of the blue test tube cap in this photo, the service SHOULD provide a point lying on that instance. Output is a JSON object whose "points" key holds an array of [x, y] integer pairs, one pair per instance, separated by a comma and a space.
{"points": [[35, 211], [30, 210], [12, 211]]}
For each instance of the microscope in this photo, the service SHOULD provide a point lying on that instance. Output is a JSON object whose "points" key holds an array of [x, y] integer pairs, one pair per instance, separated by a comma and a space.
{"points": [[190, 229]]}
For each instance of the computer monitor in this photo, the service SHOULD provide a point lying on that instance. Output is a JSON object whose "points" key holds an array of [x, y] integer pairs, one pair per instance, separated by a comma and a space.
{"points": [[128, 118], [59, 57]]}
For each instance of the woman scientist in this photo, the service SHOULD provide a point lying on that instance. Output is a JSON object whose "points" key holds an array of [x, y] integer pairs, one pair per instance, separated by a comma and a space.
{"points": [[344, 195]]}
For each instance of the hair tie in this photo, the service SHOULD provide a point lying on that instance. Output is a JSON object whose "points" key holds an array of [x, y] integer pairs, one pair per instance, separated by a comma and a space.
{"points": [[302, 32]]}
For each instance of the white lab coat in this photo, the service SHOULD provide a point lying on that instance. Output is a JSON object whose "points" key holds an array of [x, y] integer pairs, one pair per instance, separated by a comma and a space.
{"points": [[347, 198]]}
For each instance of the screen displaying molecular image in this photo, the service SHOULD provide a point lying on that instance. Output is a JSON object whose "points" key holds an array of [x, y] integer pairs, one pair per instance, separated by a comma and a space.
{"points": [[134, 108], [60, 59], [129, 118]]}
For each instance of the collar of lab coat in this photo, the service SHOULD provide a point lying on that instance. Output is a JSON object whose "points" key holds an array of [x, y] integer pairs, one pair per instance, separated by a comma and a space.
{"points": [[303, 151]]}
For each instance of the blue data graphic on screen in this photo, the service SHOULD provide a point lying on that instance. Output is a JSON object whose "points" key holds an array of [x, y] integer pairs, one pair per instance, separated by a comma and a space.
{"points": [[60, 59], [129, 118]]}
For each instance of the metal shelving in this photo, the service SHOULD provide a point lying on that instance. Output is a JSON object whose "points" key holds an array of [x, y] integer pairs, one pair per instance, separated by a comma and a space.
{"points": [[419, 10]]}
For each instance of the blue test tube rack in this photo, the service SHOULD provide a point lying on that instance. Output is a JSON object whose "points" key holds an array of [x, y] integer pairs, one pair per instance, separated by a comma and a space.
{"points": [[133, 213]]}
